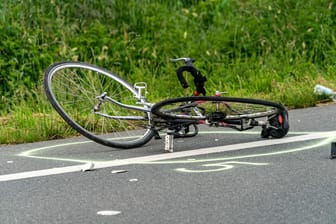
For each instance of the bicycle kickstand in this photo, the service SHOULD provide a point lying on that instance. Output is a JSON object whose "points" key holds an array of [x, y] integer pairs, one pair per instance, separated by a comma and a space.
{"points": [[169, 141]]}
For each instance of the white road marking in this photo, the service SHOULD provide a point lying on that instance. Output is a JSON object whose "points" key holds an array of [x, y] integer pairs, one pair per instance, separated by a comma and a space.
{"points": [[166, 156], [223, 166], [37, 152], [108, 212], [41, 173]]}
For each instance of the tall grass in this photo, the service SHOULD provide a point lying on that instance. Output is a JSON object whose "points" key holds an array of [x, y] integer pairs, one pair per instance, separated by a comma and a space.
{"points": [[276, 50], [32, 120]]}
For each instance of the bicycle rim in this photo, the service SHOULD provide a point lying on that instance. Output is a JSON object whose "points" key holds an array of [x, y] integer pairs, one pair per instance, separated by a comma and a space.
{"points": [[73, 89], [200, 108]]}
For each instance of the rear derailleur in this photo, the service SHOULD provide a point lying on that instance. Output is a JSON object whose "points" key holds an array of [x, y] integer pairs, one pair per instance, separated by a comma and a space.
{"points": [[277, 127]]}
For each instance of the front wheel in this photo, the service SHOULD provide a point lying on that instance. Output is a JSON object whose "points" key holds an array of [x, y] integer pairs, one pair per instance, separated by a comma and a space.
{"points": [[79, 92]]}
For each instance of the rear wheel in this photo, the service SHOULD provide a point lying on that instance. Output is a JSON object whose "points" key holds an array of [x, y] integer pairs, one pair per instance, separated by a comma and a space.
{"points": [[79, 93], [238, 113]]}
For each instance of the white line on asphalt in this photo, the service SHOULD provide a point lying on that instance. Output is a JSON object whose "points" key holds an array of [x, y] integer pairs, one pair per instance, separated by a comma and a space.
{"points": [[165, 156], [37, 153]]}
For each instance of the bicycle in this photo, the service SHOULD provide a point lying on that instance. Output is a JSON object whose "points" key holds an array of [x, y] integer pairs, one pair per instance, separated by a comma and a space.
{"points": [[110, 111]]}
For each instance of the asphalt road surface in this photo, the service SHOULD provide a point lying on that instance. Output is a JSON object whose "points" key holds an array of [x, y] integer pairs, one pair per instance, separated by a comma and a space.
{"points": [[219, 176]]}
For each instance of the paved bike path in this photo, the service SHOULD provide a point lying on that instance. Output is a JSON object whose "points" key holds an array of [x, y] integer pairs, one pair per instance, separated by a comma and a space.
{"points": [[288, 182], [76, 151]]}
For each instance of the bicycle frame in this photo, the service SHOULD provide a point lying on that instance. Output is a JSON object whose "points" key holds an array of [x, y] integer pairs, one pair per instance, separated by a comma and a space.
{"points": [[141, 100], [245, 120]]}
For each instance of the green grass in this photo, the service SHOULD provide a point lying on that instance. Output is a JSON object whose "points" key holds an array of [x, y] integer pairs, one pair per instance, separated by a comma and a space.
{"points": [[275, 50], [31, 121]]}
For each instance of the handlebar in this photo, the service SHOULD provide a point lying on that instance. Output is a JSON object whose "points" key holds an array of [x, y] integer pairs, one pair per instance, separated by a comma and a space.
{"points": [[199, 79]]}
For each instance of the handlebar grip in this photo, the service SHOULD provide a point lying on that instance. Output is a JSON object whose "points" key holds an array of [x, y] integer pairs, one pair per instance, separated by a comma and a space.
{"points": [[193, 71]]}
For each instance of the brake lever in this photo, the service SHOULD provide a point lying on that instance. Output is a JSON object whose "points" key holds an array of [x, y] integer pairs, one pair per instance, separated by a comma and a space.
{"points": [[187, 61]]}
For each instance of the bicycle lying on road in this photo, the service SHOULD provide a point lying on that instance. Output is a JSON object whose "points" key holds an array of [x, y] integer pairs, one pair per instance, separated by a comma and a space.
{"points": [[108, 110]]}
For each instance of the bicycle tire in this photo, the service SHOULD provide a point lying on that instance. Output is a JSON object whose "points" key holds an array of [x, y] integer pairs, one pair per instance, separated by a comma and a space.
{"points": [[232, 110], [73, 87]]}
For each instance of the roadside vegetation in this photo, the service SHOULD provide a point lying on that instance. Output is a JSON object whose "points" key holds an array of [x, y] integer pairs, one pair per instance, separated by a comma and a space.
{"points": [[275, 50]]}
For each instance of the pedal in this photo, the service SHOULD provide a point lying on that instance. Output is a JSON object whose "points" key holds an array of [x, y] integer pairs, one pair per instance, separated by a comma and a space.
{"points": [[169, 142]]}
